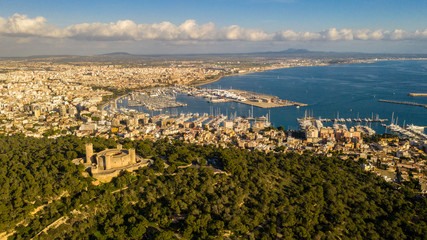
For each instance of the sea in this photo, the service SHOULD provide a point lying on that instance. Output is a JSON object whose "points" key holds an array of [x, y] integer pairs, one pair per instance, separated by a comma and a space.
{"points": [[344, 91]]}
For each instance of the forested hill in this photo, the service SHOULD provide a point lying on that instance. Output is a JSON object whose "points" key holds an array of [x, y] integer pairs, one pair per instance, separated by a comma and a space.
{"points": [[263, 196]]}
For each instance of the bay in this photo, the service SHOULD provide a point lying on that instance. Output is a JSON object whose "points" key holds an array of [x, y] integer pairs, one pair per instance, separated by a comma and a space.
{"points": [[350, 90]]}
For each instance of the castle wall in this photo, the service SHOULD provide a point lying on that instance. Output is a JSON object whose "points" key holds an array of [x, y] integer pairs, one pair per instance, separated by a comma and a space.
{"points": [[120, 161], [108, 164], [100, 162]]}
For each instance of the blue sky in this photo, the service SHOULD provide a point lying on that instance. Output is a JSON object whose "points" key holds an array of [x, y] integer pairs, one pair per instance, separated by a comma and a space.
{"points": [[202, 26]]}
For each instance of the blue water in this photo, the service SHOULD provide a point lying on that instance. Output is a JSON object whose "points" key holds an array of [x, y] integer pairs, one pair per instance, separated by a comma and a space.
{"points": [[350, 89]]}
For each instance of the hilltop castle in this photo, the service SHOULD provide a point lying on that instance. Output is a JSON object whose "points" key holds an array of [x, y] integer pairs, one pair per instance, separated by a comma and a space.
{"points": [[110, 158], [110, 162]]}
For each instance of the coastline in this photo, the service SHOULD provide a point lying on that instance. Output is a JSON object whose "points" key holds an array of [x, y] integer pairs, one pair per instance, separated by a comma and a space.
{"points": [[217, 78]]}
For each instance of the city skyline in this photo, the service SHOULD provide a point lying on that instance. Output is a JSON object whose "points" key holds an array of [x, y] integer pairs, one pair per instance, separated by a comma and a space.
{"points": [[223, 26]]}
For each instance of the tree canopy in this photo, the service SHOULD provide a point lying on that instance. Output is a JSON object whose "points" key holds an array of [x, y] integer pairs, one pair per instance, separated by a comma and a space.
{"points": [[261, 196]]}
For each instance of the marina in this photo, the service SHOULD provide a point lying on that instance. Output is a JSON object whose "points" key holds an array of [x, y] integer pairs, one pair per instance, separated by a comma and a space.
{"points": [[154, 100], [410, 131]]}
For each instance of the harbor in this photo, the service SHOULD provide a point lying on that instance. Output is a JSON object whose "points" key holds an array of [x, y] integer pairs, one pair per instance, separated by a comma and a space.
{"points": [[325, 98], [155, 99]]}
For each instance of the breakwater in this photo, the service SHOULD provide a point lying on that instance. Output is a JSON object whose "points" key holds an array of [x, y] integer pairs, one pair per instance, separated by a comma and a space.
{"points": [[405, 103], [418, 94]]}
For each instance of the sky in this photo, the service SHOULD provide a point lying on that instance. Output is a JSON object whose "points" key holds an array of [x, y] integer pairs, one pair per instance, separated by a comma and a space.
{"points": [[56, 27]]}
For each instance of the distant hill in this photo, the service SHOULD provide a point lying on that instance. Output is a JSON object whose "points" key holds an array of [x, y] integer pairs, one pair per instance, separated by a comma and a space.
{"points": [[293, 50], [116, 54], [50, 56], [302, 51], [288, 51]]}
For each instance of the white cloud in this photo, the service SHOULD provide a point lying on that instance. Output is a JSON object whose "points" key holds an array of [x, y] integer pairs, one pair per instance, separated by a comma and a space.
{"points": [[22, 26]]}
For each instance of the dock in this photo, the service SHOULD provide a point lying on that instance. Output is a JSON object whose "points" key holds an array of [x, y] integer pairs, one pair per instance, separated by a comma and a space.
{"points": [[418, 94], [405, 103], [263, 100], [239, 96]]}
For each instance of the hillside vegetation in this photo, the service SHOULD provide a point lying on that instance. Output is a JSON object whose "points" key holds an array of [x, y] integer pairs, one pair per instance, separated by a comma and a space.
{"points": [[261, 196]]}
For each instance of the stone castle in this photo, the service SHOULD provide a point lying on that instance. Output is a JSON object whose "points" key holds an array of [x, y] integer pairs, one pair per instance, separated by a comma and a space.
{"points": [[110, 158], [110, 162]]}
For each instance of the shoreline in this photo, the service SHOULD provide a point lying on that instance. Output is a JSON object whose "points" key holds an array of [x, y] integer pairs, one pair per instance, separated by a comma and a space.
{"points": [[369, 61], [204, 82], [217, 78]]}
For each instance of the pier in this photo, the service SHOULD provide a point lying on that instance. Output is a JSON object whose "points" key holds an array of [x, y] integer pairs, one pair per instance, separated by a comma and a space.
{"points": [[418, 94], [406, 103]]}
